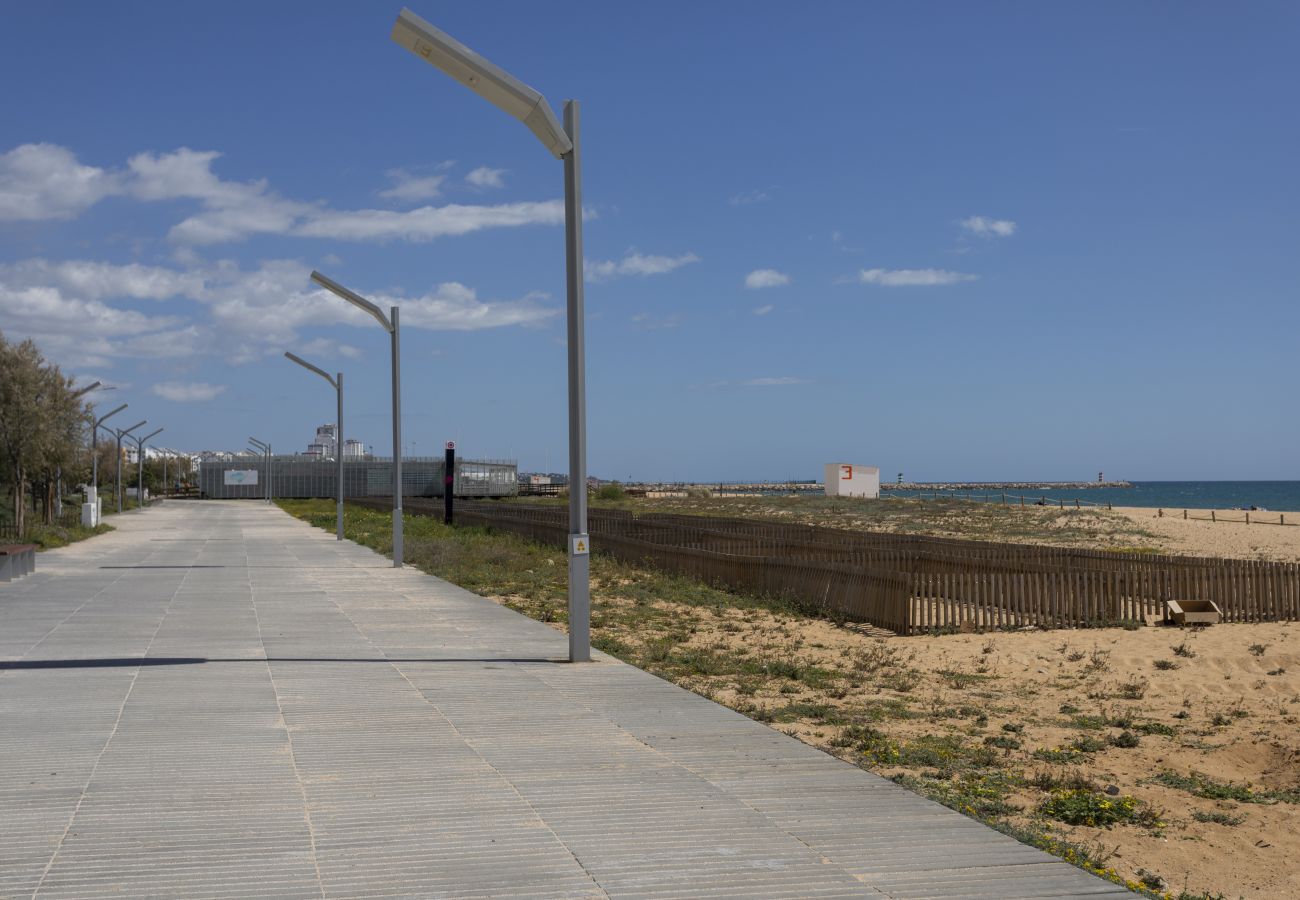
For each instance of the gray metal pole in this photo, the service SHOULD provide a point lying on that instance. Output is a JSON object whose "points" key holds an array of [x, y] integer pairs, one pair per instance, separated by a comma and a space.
{"points": [[139, 469], [164, 481], [338, 450], [579, 544], [270, 474], [397, 440], [117, 484]]}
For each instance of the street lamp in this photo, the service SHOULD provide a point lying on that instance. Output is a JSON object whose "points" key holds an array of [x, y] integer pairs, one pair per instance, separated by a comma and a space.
{"points": [[266, 454], [394, 329], [94, 460], [139, 466], [117, 485], [511, 95], [337, 384], [58, 472]]}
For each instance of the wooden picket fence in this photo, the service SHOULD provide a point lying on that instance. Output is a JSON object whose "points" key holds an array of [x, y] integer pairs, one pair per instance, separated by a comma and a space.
{"points": [[910, 584]]}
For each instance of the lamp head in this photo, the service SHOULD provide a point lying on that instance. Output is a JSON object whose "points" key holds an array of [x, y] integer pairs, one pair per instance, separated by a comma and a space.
{"points": [[355, 299], [106, 415], [306, 365], [493, 84]]}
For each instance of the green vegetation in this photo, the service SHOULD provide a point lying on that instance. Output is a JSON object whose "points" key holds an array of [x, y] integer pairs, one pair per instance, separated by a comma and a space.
{"points": [[1081, 806], [1199, 785], [1218, 818], [47, 537]]}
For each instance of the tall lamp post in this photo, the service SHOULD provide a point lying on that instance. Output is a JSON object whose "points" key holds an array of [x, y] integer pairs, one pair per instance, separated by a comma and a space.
{"points": [[58, 474], [266, 454], [511, 95], [336, 382], [94, 461], [260, 455], [392, 325], [125, 432], [139, 466]]}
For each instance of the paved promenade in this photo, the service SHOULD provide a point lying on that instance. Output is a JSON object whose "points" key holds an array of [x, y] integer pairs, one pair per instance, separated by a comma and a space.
{"points": [[220, 701]]}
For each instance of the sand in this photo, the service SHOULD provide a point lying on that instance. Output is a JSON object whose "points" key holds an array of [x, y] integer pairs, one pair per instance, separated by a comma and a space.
{"points": [[1235, 715], [1198, 536]]}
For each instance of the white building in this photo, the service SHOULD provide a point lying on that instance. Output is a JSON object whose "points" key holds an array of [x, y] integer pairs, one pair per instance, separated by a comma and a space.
{"points": [[327, 438], [851, 480], [353, 449]]}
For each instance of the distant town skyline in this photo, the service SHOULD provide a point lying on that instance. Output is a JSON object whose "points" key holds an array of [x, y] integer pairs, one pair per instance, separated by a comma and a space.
{"points": [[967, 242]]}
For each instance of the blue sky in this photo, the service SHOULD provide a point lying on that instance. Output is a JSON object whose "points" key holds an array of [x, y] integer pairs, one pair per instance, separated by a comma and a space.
{"points": [[961, 241]]}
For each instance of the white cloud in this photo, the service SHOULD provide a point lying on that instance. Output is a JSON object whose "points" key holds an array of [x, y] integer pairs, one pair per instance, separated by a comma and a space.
{"points": [[187, 392], [986, 227], [247, 314], [766, 278], [427, 222], [483, 177], [912, 277], [764, 309], [773, 382], [82, 332], [408, 187], [744, 198], [635, 264], [45, 181], [95, 280]]}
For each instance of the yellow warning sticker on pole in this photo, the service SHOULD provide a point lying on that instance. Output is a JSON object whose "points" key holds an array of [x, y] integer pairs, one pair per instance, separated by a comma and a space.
{"points": [[580, 544]]}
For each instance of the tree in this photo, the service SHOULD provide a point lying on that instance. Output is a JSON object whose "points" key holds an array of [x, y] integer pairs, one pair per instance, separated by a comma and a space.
{"points": [[42, 426]]}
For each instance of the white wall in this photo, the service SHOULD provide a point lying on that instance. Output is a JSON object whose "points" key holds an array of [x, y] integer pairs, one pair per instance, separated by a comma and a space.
{"points": [[852, 480]]}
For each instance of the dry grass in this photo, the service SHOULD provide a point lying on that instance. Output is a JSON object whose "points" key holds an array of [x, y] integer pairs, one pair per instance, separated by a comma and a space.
{"points": [[1090, 528]]}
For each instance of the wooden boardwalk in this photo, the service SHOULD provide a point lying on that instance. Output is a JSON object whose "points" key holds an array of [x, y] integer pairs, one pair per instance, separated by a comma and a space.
{"points": [[219, 701]]}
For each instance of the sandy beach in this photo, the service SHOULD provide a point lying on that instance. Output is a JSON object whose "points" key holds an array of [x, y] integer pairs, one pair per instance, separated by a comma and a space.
{"points": [[1230, 536]]}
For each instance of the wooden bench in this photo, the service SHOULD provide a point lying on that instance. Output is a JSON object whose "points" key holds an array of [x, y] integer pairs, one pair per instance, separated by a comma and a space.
{"points": [[17, 560]]}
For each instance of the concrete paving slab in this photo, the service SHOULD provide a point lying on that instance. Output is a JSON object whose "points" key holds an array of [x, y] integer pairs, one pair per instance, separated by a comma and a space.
{"points": [[218, 700]]}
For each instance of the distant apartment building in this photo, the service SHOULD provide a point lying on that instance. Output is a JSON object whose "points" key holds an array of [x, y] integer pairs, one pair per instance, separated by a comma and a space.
{"points": [[326, 442]]}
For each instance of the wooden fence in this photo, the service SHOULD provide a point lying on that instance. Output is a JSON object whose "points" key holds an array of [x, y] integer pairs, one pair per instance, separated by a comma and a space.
{"points": [[911, 583]]}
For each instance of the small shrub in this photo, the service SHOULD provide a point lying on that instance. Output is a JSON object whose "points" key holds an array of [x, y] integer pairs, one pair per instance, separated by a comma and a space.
{"points": [[1257, 649], [1098, 661], [1094, 810], [1002, 742], [1126, 740], [1087, 744], [1165, 665], [611, 491], [1183, 650], [1218, 818], [1061, 756], [1134, 688], [1278, 671], [903, 681]]}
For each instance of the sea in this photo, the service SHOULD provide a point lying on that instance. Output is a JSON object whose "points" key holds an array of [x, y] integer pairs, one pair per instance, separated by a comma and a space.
{"points": [[1282, 496]]}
